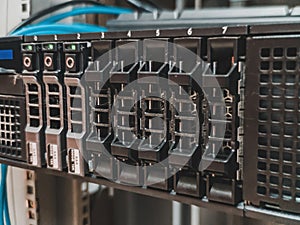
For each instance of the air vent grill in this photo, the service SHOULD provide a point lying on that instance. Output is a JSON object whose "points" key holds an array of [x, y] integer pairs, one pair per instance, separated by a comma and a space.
{"points": [[277, 150], [11, 128], [278, 154]]}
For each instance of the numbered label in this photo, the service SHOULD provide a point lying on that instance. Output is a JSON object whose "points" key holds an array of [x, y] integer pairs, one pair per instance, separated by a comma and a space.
{"points": [[224, 30], [157, 33]]}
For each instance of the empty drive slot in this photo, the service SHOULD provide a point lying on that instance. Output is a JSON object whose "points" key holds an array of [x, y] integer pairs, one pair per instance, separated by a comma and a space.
{"points": [[156, 50], [101, 47], [187, 52], [128, 52], [221, 55]]}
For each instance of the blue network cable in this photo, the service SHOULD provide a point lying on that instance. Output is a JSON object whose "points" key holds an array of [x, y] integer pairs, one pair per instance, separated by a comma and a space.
{"points": [[3, 197], [2, 194], [58, 29], [85, 10]]}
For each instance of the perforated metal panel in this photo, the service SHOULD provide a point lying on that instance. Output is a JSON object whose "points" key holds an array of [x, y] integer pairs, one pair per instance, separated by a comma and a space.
{"points": [[272, 117], [12, 120]]}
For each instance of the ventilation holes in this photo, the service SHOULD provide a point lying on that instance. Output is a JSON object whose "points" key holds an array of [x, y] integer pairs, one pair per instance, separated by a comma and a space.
{"points": [[10, 124]]}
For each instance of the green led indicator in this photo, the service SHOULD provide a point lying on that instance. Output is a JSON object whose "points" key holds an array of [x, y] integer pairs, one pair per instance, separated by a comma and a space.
{"points": [[50, 46], [73, 47], [29, 47]]}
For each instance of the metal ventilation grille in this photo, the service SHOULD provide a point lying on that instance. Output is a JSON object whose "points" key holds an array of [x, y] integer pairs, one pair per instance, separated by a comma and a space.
{"points": [[279, 151], [33, 105], [101, 108], [11, 130], [272, 123], [54, 106], [76, 109]]}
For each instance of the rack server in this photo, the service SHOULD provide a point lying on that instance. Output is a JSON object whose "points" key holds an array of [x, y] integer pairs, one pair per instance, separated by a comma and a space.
{"points": [[256, 67]]}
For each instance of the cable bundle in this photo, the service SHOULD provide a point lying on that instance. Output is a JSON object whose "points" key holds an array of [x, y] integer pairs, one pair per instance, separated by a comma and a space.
{"points": [[3, 197], [50, 25]]}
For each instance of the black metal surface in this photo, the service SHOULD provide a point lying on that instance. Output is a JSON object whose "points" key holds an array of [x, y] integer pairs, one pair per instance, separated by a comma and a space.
{"points": [[13, 44], [272, 127], [12, 125]]}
